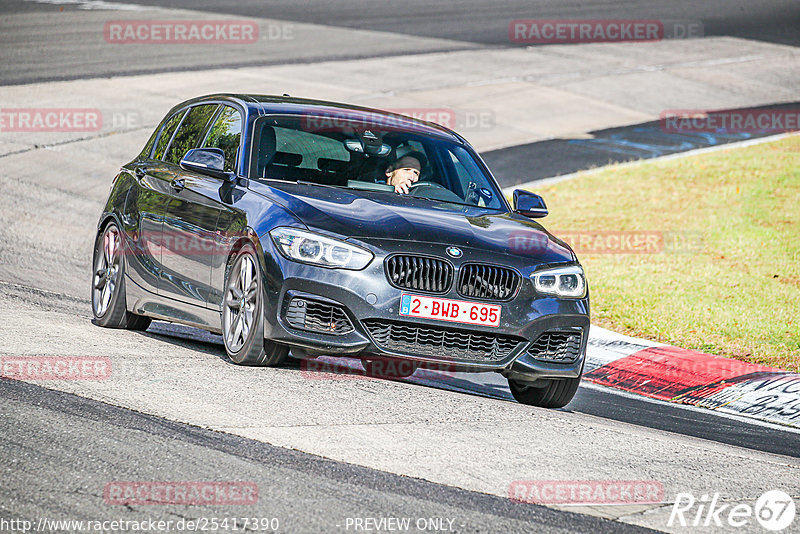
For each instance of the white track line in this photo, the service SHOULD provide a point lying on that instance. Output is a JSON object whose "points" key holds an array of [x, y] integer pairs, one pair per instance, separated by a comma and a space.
{"points": [[91, 5], [705, 150]]}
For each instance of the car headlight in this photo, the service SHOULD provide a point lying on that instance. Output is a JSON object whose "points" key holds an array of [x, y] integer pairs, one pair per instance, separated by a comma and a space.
{"points": [[308, 247], [561, 282]]}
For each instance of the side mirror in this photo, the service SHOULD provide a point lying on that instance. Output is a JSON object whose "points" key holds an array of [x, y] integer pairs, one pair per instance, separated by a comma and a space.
{"points": [[529, 204], [210, 161]]}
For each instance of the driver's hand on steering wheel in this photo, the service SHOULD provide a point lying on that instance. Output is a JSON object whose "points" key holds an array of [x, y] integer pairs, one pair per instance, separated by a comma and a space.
{"points": [[402, 179]]}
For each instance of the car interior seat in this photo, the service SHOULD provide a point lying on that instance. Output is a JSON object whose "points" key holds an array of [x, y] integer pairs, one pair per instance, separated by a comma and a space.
{"points": [[266, 148]]}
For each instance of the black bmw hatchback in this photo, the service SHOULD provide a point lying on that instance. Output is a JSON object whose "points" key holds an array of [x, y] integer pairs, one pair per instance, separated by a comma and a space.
{"points": [[284, 223]]}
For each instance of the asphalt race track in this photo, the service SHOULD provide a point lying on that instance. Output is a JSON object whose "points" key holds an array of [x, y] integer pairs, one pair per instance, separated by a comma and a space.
{"points": [[305, 493], [437, 25], [325, 450]]}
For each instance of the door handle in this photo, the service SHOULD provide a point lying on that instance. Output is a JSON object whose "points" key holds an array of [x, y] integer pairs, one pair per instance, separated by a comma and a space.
{"points": [[140, 172], [178, 184]]}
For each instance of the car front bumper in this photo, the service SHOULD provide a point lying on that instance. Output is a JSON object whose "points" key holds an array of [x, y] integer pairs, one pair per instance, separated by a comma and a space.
{"points": [[366, 297]]}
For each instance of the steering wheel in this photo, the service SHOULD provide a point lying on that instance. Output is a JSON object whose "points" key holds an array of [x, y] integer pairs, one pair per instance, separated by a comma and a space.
{"points": [[422, 184], [437, 192]]}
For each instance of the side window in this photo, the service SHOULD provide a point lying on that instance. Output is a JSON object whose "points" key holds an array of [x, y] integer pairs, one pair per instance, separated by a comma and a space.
{"points": [[474, 184], [148, 148], [189, 132], [463, 175], [166, 134], [225, 134]]}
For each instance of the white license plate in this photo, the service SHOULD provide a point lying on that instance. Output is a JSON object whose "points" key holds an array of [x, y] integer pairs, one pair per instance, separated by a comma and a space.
{"points": [[456, 311]]}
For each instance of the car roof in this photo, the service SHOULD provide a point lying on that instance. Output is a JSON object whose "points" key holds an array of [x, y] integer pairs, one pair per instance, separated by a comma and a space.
{"points": [[287, 105]]}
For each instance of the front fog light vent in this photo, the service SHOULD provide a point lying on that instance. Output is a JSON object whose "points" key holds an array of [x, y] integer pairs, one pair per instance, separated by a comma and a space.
{"points": [[562, 347], [316, 316]]}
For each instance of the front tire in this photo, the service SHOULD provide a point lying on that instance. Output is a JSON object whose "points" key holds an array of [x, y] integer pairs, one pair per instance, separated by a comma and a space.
{"points": [[243, 314], [109, 305], [553, 394]]}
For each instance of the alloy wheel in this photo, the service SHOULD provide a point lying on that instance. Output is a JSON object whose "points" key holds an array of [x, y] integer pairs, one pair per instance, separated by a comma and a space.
{"points": [[241, 303], [106, 271]]}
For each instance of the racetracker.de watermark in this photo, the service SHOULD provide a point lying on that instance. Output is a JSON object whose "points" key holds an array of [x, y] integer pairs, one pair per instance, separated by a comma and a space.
{"points": [[730, 121], [460, 120], [174, 243], [181, 32], [347, 369], [203, 493], [586, 492], [570, 31], [608, 241], [67, 120], [50, 120], [55, 367]]}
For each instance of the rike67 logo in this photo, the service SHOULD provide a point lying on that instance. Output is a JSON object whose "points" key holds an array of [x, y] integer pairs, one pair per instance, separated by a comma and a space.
{"points": [[774, 510]]}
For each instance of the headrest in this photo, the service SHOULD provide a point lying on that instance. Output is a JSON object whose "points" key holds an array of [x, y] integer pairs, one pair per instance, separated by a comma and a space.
{"points": [[286, 158], [266, 147], [332, 165]]}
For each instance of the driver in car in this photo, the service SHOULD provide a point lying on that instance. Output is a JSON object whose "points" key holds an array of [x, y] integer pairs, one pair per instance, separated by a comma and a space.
{"points": [[404, 172]]}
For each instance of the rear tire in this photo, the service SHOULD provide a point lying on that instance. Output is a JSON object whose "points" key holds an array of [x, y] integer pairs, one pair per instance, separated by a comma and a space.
{"points": [[554, 394], [109, 305], [243, 314]]}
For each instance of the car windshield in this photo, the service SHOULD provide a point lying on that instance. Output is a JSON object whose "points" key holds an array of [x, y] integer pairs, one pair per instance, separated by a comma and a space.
{"points": [[356, 154]]}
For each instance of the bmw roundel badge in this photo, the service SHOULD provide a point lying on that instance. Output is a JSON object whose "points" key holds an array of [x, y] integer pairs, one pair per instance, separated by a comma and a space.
{"points": [[454, 252]]}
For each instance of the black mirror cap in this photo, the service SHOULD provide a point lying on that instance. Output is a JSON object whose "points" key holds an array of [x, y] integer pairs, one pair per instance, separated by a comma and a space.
{"points": [[209, 161], [529, 204]]}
